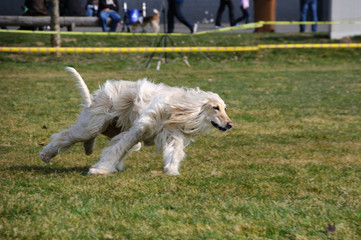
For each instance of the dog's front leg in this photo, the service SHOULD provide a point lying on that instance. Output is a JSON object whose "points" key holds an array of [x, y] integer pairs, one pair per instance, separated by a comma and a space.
{"points": [[113, 156], [173, 154]]}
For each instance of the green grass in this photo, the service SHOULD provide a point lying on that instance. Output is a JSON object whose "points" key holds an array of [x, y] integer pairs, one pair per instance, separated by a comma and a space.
{"points": [[290, 166]]}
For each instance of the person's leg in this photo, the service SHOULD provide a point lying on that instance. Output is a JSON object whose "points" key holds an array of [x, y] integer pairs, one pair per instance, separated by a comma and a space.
{"points": [[304, 8], [246, 15], [219, 13], [115, 20], [181, 18], [170, 16], [89, 11], [313, 6], [240, 19], [230, 12], [103, 20]]}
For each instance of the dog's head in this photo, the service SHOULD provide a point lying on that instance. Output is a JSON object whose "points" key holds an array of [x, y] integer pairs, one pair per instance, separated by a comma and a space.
{"points": [[197, 110], [215, 110]]}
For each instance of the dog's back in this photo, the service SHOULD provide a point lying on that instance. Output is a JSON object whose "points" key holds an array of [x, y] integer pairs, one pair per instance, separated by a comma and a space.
{"points": [[151, 20], [126, 100]]}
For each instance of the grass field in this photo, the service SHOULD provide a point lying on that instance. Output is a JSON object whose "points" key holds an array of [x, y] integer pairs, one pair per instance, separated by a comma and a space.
{"points": [[289, 168]]}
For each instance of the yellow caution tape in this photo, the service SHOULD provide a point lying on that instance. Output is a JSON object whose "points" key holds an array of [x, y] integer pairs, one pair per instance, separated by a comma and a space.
{"points": [[127, 49], [310, 45], [308, 22], [175, 49], [234, 28]]}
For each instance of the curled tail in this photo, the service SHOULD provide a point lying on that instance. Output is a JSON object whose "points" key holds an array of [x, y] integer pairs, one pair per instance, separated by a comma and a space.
{"points": [[84, 91]]}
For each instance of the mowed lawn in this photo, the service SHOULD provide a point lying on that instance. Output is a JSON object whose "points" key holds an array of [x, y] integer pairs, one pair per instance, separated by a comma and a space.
{"points": [[289, 169]]}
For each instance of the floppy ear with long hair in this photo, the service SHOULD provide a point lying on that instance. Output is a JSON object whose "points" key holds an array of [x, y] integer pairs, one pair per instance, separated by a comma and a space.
{"points": [[186, 113]]}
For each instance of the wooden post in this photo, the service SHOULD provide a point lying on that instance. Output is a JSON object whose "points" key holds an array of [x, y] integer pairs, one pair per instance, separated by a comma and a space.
{"points": [[55, 25], [265, 10]]}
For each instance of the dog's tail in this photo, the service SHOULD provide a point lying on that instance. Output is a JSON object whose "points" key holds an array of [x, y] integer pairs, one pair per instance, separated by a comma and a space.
{"points": [[155, 11], [84, 91]]}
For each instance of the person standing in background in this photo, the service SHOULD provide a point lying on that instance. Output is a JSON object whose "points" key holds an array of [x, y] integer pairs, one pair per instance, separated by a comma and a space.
{"points": [[221, 8], [174, 10], [304, 9], [106, 9]]}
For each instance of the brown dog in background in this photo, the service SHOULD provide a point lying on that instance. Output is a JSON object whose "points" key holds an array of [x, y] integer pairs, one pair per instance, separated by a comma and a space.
{"points": [[149, 20]]}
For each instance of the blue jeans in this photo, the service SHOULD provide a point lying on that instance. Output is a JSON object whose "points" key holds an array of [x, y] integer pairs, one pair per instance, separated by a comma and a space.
{"points": [[90, 11], [304, 8], [104, 15]]}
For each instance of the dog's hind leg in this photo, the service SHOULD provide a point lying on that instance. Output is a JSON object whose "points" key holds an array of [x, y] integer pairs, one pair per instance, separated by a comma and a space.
{"points": [[63, 140], [155, 27], [60, 142], [85, 130], [89, 146]]}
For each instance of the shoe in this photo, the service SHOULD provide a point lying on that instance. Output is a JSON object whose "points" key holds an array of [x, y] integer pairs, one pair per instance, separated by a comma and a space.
{"points": [[217, 27], [195, 27]]}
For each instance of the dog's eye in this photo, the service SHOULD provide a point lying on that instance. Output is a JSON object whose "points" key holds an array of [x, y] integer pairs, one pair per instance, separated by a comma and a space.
{"points": [[216, 108]]}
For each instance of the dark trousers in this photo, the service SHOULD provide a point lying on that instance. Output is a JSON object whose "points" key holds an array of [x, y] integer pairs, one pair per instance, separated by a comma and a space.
{"points": [[221, 8], [174, 10], [245, 17]]}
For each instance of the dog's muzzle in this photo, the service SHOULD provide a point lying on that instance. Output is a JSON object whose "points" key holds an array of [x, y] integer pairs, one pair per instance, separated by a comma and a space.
{"points": [[229, 125]]}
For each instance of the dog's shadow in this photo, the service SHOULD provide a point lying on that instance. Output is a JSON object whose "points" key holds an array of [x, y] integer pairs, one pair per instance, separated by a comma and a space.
{"points": [[48, 170]]}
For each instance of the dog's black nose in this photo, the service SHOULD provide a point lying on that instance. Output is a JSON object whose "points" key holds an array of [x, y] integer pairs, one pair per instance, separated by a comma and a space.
{"points": [[229, 125]]}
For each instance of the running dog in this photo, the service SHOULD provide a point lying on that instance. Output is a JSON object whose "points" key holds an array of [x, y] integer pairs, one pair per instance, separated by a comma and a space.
{"points": [[133, 112]]}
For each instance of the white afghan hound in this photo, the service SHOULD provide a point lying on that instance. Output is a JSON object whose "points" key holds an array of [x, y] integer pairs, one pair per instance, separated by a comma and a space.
{"points": [[133, 112]]}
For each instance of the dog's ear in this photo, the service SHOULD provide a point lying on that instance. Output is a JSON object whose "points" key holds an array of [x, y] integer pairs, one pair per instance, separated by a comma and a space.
{"points": [[204, 106], [207, 104]]}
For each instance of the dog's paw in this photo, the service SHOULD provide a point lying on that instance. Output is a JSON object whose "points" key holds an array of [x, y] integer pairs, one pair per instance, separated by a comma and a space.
{"points": [[100, 171], [171, 172], [46, 157], [120, 167]]}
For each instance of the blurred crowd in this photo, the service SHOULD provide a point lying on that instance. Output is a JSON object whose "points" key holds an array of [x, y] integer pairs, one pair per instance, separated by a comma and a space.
{"points": [[110, 9]]}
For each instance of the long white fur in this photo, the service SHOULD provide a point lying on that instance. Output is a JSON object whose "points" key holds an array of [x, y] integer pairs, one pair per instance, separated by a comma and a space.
{"points": [[135, 112], [84, 91]]}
